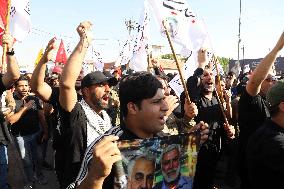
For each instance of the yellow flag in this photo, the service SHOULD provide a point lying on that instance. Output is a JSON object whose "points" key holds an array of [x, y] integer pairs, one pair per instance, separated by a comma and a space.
{"points": [[39, 55]]}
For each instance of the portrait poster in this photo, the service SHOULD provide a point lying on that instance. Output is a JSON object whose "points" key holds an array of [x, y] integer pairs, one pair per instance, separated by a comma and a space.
{"points": [[159, 162]]}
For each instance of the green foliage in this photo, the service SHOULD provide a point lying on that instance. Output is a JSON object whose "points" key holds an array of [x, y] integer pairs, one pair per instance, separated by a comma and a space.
{"points": [[167, 56], [224, 62]]}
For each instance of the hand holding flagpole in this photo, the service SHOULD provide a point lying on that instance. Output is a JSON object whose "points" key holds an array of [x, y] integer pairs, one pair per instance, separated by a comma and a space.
{"points": [[177, 63], [219, 98]]}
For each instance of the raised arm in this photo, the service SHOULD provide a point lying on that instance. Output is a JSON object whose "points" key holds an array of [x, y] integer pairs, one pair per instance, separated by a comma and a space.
{"points": [[13, 72], [71, 71], [38, 86], [261, 71]]}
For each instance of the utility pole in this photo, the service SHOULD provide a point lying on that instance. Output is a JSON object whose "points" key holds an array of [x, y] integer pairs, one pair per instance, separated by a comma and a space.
{"points": [[239, 35], [243, 48]]}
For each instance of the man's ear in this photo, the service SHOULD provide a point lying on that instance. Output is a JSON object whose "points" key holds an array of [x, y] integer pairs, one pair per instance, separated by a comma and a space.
{"points": [[281, 107], [85, 91], [132, 108]]}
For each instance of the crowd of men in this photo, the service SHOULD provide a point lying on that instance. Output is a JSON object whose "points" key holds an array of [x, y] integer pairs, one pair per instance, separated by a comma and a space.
{"points": [[86, 115]]}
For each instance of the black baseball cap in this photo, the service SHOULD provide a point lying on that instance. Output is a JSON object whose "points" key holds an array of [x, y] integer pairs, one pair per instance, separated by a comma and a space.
{"points": [[93, 78]]}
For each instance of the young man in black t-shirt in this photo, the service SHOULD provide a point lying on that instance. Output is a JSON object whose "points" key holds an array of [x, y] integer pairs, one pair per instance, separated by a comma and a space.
{"points": [[6, 81], [265, 150], [252, 105], [29, 128], [50, 95]]}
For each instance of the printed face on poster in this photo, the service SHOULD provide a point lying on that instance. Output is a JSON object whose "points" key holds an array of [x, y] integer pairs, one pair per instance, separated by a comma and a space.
{"points": [[160, 162]]}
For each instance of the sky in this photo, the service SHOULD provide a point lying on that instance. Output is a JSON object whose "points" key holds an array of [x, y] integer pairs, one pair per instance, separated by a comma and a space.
{"points": [[262, 25]]}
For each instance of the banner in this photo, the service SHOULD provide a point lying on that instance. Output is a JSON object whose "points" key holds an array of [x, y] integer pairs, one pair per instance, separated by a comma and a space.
{"points": [[125, 54], [139, 60], [98, 61], [20, 23], [156, 162], [184, 26]]}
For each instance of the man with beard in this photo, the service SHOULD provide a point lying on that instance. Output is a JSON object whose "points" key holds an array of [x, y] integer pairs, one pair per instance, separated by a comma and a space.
{"points": [[25, 127], [201, 87], [141, 171], [81, 122], [170, 163]]}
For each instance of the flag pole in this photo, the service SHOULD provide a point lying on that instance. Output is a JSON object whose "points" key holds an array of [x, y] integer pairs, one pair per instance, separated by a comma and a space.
{"points": [[3, 66], [219, 98], [148, 61], [177, 63]]}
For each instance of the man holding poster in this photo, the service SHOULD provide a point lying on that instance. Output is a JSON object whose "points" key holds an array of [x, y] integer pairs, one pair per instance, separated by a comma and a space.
{"points": [[143, 108]]}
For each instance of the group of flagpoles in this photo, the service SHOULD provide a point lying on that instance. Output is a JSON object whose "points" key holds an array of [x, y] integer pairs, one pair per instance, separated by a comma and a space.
{"points": [[4, 59], [219, 98]]}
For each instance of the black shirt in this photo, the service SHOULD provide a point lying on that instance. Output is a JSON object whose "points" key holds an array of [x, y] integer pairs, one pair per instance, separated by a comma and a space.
{"points": [[265, 153], [54, 119], [252, 113], [209, 111], [29, 122], [74, 133], [4, 132]]}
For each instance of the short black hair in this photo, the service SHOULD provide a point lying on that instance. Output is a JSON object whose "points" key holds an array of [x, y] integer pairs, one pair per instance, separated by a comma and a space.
{"points": [[137, 87], [230, 73], [22, 78]]}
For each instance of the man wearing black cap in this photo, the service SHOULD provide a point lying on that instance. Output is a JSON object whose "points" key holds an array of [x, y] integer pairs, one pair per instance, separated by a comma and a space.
{"points": [[84, 121]]}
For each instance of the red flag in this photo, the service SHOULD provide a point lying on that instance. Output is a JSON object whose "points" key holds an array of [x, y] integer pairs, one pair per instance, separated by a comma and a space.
{"points": [[3, 15], [61, 56]]}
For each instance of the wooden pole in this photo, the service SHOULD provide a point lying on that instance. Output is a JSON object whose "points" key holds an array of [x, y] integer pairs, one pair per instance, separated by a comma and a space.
{"points": [[149, 62], [177, 63], [3, 68], [220, 99]]}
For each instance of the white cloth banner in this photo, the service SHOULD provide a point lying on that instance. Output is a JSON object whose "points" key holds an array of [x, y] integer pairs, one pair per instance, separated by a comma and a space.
{"points": [[184, 26], [139, 61], [20, 22], [188, 70]]}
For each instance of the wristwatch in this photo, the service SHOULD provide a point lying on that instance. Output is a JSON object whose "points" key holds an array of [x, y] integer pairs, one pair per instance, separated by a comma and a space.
{"points": [[10, 53]]}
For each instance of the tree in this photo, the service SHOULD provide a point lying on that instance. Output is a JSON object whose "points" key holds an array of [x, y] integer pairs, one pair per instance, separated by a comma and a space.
{"points": [[224, 62], [167, 56]]}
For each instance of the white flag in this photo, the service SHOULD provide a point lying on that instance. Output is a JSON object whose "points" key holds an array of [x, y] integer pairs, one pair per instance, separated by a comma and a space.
{"points": [[184, 26], [125, 54], [188, 69], [98, 61], [139, 61], [20, 22]]}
